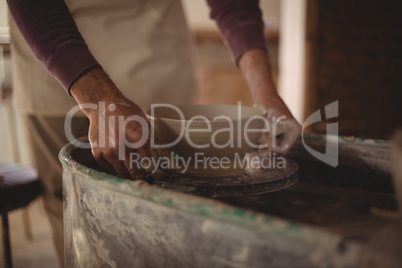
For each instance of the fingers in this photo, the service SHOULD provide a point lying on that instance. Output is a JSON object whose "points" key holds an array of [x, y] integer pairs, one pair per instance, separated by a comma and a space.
{"points": [[290, 132], [110, 163], [282, 138], [109, 160], [107, 167], [136, 170], [119, 139], [121, 168]]}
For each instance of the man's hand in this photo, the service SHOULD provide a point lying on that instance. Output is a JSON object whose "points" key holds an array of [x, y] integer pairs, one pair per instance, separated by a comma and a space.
{"points": [[116, 123], [254, 65]]}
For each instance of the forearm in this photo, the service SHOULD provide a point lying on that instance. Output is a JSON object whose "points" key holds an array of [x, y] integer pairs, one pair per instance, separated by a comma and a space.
{"points": [[254, 65], [255, 68]]}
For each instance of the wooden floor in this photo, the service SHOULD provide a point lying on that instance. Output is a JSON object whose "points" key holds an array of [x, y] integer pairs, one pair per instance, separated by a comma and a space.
{"points": [[37, 252]]}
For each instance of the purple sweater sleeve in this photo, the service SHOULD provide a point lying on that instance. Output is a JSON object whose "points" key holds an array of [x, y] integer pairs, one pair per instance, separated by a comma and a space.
{"points": [[240, 23], [53, 36]]}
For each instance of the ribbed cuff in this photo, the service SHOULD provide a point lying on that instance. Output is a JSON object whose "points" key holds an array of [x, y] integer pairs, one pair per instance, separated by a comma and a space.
{"points": [[70, 63], [244, 39]]}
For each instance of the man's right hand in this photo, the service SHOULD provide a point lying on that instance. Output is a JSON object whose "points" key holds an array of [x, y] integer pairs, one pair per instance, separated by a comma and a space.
{"points": [[255, 67], [114, 125]]}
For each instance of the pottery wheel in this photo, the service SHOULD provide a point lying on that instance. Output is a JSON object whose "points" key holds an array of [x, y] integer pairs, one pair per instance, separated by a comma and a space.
{"points": [[253, 182]]}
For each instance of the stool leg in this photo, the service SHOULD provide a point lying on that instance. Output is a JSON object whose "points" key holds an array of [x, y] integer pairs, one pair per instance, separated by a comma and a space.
{"points": [[27, 225], [6, 240]]}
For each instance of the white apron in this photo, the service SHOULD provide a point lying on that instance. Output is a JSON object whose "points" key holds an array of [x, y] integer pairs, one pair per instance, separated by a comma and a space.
{"points": [[144, 45]]}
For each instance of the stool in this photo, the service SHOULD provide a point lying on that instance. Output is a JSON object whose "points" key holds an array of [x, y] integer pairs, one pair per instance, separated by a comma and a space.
{"points": [[19, 185]]}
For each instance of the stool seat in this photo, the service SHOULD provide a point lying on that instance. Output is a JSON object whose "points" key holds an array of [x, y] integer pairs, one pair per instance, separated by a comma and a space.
{"points": [[19, 185]]}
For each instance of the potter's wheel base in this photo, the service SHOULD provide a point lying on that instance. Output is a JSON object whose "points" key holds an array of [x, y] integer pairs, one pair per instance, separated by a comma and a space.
{"points": [[251, 182]]}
